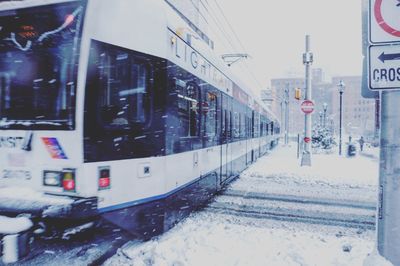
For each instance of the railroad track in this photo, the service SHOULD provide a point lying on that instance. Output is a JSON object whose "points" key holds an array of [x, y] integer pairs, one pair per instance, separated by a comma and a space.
{"points": [[337, 212], [92, 247], [96, 246]]}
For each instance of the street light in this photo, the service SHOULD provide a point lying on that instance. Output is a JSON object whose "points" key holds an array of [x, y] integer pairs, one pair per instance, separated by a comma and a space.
{"points": [[287, 114], [325, 106], [341, 86]]}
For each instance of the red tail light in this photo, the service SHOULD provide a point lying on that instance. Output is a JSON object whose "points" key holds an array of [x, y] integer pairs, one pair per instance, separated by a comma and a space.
{"points": [[69, 185], [68, 181], [104, 178]]}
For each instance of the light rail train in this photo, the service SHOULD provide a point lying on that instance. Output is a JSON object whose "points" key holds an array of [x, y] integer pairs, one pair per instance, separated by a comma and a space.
{"points": [[117, 109]]}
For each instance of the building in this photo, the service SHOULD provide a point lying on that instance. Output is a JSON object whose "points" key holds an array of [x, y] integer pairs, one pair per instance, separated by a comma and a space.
{"points": [[296, 118], [358, 113]]}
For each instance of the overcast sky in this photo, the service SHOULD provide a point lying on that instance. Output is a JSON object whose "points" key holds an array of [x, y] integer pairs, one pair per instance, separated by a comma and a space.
{"points": [[273, 33]]}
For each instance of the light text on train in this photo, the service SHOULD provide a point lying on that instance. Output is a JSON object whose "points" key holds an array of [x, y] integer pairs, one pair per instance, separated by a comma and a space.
{"points": [[195, 62]]}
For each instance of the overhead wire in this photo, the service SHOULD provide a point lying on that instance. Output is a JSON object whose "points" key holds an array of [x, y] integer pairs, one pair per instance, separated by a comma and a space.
{"points": [[220, 27], [238, 41]]}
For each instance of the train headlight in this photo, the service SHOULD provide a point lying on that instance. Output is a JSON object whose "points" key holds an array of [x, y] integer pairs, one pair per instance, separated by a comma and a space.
{"points": [[68, 180], [52, 178]]}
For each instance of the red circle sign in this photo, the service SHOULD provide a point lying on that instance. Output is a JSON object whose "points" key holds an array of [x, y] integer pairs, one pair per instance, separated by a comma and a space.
{"points": [[307, 139], [381, 22], [307, 106]]}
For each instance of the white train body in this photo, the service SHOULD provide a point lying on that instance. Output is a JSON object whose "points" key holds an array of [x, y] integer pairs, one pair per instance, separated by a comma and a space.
{"points": [[113, 105]]}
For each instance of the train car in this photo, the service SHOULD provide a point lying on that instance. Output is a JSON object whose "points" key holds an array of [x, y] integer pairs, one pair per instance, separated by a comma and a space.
{"points": [[116, 109]]}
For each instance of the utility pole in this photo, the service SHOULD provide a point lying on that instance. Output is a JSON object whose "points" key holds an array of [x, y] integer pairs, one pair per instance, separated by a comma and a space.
{"points": [[287, 114], [382, 51], [307, 61], [389, 180]]}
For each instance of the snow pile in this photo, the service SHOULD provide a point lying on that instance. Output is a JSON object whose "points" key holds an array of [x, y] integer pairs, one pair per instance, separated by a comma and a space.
{"points": [[10, 226], [32, 195], [29, 200], [375, 259], [332, 168], [330, 176], [209, 238], [24, 197]]}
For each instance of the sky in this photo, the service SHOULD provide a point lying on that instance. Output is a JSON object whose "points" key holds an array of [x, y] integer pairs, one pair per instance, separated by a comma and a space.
{"points": [[273, 34]]}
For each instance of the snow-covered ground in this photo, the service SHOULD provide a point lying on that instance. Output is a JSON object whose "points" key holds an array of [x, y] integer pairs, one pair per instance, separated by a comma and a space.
{"points": [[211, 238]]}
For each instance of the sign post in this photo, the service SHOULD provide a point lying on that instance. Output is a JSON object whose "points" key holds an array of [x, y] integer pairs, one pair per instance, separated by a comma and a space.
{"points": [[384, 75], [307, 105]]}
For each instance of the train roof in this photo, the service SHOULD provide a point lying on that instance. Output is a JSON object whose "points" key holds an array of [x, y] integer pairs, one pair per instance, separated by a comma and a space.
{"points": [[174, 22]]}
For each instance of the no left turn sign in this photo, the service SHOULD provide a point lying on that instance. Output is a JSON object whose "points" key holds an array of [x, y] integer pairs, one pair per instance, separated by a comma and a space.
{"points": [[384, 21]]}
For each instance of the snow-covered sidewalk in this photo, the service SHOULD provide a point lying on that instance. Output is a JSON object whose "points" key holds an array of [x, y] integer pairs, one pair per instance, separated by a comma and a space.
{"points": [[209, 238]]}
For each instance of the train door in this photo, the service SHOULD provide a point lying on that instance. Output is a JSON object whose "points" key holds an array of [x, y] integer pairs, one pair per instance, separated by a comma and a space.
{"points": [[226, 135]]}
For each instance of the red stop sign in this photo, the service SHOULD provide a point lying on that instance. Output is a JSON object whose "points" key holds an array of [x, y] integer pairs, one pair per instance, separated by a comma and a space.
{"points": [[307, 139], [307, 106]]}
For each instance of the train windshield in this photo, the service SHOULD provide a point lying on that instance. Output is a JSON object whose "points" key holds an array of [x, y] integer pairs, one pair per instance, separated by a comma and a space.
{"points": [[39, 49]]}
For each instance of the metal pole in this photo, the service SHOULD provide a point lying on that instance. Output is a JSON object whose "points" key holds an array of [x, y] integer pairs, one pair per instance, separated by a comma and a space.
{"points": [[287, 114], [377, 118], [307, 61], [282, 114], [340, 123], [388, 219], [298, 146]]}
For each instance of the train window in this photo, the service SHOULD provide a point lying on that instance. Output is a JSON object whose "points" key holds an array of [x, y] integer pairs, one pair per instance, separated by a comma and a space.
{"points": [[38, 66], [210, 113], [256, 124], [122, 88], [242, 126], [236, 125], [188, 108]]}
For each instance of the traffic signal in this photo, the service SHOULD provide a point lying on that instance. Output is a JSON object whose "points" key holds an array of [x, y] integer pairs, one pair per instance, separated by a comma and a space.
{"points": [[297, 93]]}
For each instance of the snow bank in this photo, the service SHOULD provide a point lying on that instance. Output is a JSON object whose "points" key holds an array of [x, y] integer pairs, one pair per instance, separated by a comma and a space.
{"points": [[16, 193], [375, 259], [330, 176], [331, 168], [10, 226], [209, 238]]}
